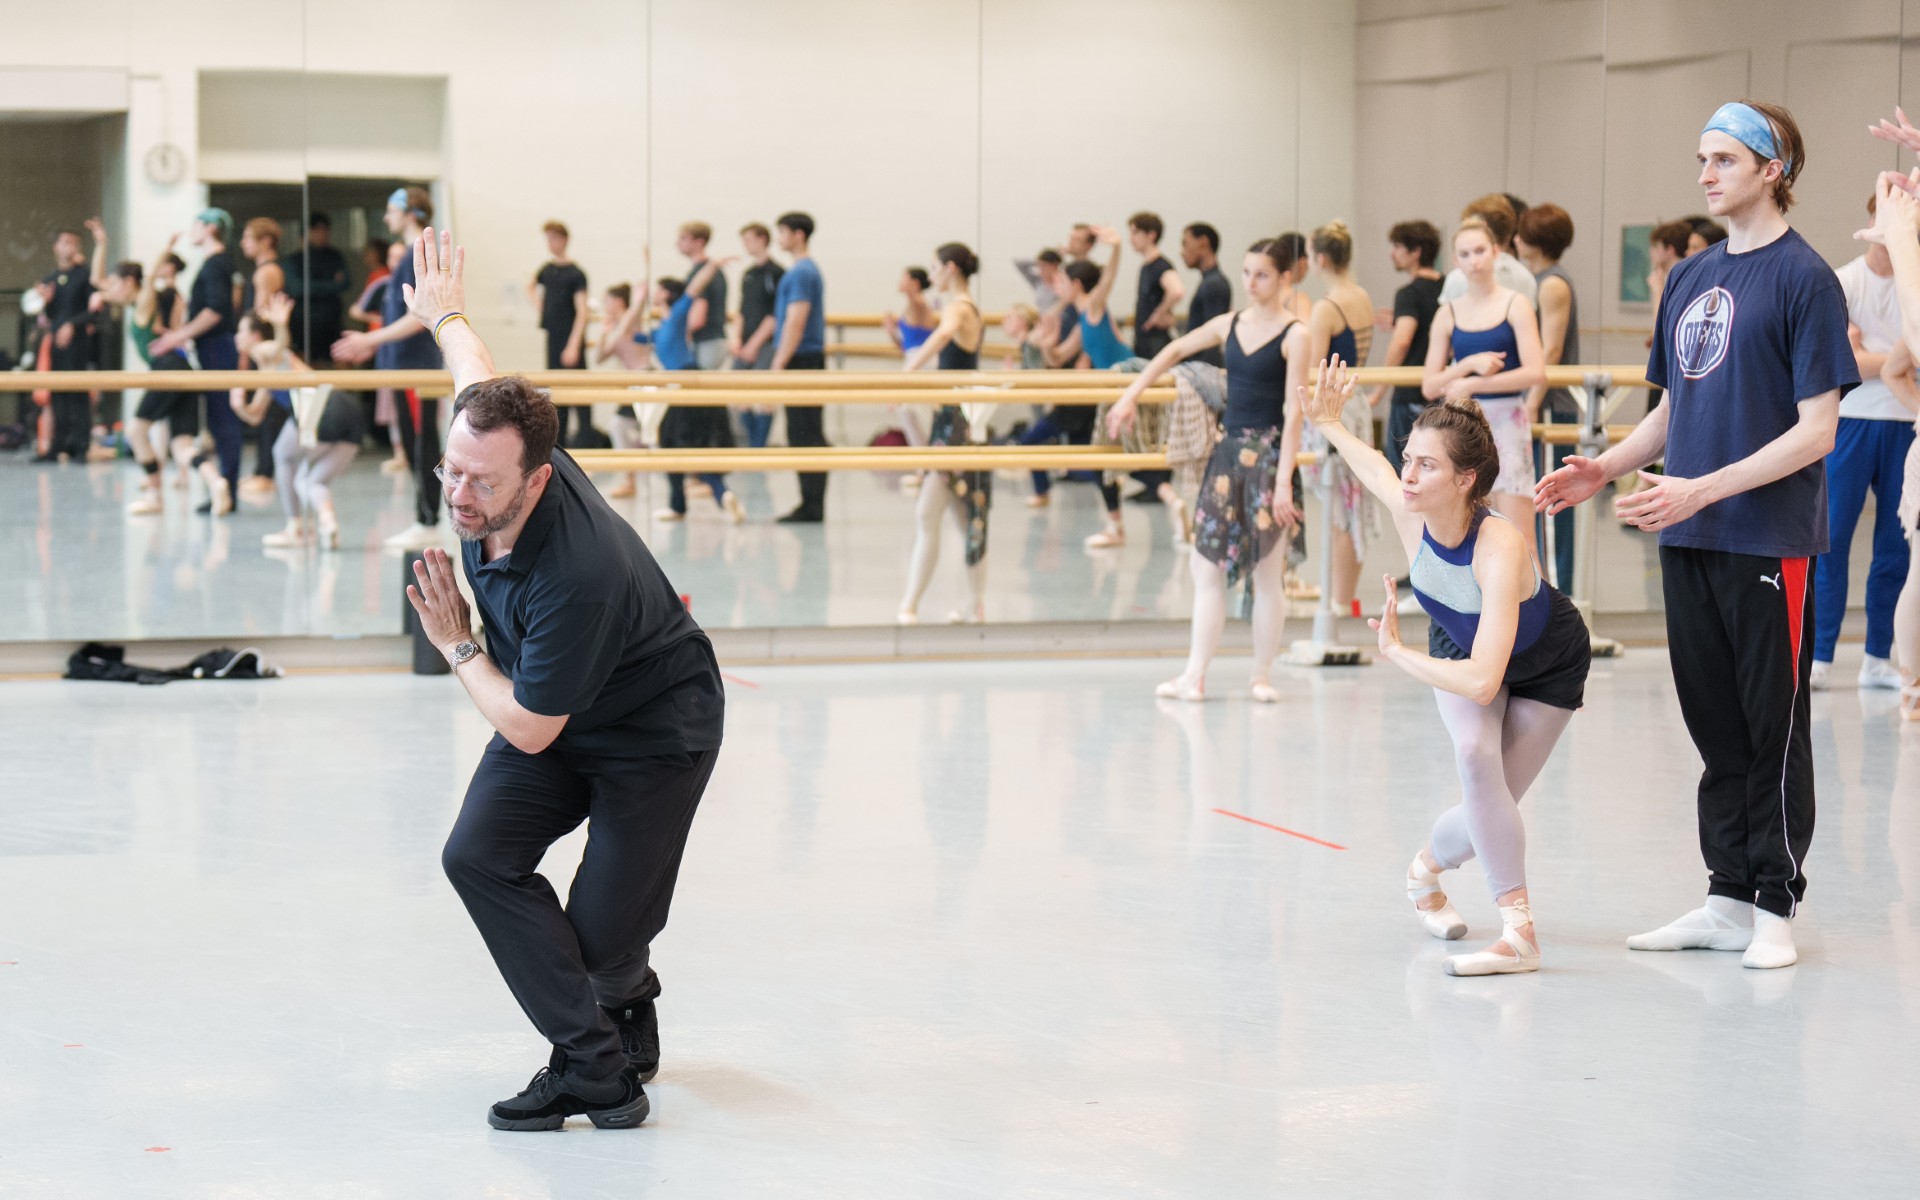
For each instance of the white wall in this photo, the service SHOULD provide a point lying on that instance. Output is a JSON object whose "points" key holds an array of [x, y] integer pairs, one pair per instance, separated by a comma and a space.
{"points": [[898, 126], [1597, 105]]}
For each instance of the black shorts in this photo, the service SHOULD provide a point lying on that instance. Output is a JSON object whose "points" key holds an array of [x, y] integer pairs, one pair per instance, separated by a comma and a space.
{"points": [[1553, 670], [180, 410]]}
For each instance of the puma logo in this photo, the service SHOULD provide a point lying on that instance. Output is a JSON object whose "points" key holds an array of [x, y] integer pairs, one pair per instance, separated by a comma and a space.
{"points": [[1773, 579]]}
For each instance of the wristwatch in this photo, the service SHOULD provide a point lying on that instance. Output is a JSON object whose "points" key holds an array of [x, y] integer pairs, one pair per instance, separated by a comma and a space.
{"points": [[464, 653]]}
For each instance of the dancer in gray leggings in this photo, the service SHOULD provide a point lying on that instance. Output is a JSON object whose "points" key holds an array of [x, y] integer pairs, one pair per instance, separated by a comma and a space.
{"points": [[315, 446], [1506, 655]]}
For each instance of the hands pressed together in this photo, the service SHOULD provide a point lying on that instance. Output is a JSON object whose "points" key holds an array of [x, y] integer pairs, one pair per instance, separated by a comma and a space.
{"points": [[444, 614]]}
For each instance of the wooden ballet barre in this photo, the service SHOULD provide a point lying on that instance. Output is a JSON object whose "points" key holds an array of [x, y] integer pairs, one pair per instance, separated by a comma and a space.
{"points": [[878, 321], [889, 350], [880, 458], [931, 458], [721, 398], [1570, 435], [1039, 383]]}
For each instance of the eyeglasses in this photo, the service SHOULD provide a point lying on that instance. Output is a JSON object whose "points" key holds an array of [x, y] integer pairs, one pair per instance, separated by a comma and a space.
{"points": [[452, 480]]}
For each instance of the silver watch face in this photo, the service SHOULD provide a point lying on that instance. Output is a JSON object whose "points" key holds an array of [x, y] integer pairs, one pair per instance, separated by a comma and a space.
{"points": [[465, 651]]}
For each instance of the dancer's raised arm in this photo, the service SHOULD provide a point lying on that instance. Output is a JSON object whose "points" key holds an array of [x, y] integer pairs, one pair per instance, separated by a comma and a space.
{"points": [[1322, 403]]}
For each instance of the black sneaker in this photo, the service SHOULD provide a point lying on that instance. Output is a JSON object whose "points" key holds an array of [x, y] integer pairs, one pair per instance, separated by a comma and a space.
{"points": [[639, 1028], [554, 1094]]}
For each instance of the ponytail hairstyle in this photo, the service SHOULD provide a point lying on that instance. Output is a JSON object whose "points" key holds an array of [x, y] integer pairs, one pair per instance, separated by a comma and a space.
{"points": [[1334, 241], [1469, 440], [960, 258]]}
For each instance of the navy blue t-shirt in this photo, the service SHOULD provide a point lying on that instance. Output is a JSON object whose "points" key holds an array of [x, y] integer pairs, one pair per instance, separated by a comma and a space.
{"points": [[417, 353], [1740, 341]]}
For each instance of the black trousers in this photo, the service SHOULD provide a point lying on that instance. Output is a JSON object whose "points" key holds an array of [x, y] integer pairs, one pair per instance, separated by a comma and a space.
{"points": [[582, 413], [72, 411], [562, 964], [1740, 634], [806, 426], [421, 441]]}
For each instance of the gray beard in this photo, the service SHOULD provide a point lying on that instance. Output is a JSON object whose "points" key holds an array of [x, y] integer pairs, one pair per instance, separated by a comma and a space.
{"points": [[494, 525]]}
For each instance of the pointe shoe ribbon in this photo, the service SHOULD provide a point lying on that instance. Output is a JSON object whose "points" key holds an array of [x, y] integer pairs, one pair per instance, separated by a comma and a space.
{"points": [[1443, 922], [1525, 956]]}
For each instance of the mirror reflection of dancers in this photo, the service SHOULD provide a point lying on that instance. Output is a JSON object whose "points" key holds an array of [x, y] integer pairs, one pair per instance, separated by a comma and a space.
{"points": [[1485, 347], [1247, 505], [1507, 655], [956, 343]]}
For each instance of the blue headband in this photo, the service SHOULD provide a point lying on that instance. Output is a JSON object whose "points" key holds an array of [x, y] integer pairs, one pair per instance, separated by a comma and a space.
{"points": [[1745, 124], [399, 200]]}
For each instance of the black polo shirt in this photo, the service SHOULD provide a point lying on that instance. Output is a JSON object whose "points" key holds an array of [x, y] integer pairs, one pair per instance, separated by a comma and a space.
{"points": [[716, 298], [71, 290], [585, 623]]}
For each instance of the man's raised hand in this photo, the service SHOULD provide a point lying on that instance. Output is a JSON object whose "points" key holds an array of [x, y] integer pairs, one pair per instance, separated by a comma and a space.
{"points": [[439, 285]]}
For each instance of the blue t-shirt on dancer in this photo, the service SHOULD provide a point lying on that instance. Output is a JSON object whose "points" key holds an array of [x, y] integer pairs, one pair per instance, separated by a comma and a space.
{"points": [[803, 282], [417, 353], [1741, 339]]}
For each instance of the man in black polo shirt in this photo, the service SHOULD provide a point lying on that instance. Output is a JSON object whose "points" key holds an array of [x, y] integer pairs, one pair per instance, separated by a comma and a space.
{"points": [[608, 706], [559, 295], [68, 325], [1200, 250]]}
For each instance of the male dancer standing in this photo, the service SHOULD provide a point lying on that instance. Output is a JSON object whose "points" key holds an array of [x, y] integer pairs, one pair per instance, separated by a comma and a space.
{"points": [[607, 705], [800, 321], [1751, 346]]}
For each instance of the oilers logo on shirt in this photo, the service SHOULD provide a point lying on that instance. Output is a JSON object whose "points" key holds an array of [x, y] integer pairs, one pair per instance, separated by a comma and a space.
{"points": [[1703, 333]]}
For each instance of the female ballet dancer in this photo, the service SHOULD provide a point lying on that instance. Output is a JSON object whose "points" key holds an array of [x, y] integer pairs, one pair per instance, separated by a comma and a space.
{"points": [[1485, 347], [1506, 656], [1246, 509], [318, 440], [1340, 324], [956, 340], [911, 328], [627, 338]]}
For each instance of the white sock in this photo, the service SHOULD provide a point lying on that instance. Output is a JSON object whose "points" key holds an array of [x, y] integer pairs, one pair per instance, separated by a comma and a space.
{"points": [[1740, 912], [1772, 943], [1715, 926]]}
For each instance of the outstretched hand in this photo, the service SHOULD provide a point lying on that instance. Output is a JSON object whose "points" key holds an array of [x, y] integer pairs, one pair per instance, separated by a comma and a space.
{"points": [[1895, 211], [278, 308], [1899, 131], [438, 286], [1669, 501], [1331, 390], [1577, 479], [1387, 624]]}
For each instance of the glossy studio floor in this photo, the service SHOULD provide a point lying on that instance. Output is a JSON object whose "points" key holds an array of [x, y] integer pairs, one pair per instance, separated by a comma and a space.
{"points": [[944, 929]]}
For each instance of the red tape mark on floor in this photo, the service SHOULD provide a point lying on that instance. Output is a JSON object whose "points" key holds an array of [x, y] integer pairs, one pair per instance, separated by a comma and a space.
{"points": [[158, 1149], [1305, 837], [73, 1045], [745, 683], [10, 963]]}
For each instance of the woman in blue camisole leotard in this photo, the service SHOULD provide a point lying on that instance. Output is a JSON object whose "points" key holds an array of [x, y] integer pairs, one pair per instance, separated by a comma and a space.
{"points": [[1506, 655], [1485, 347]]}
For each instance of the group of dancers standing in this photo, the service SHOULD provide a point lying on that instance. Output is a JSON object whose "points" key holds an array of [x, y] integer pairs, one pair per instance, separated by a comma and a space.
{"points": [[1752, 349]]}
